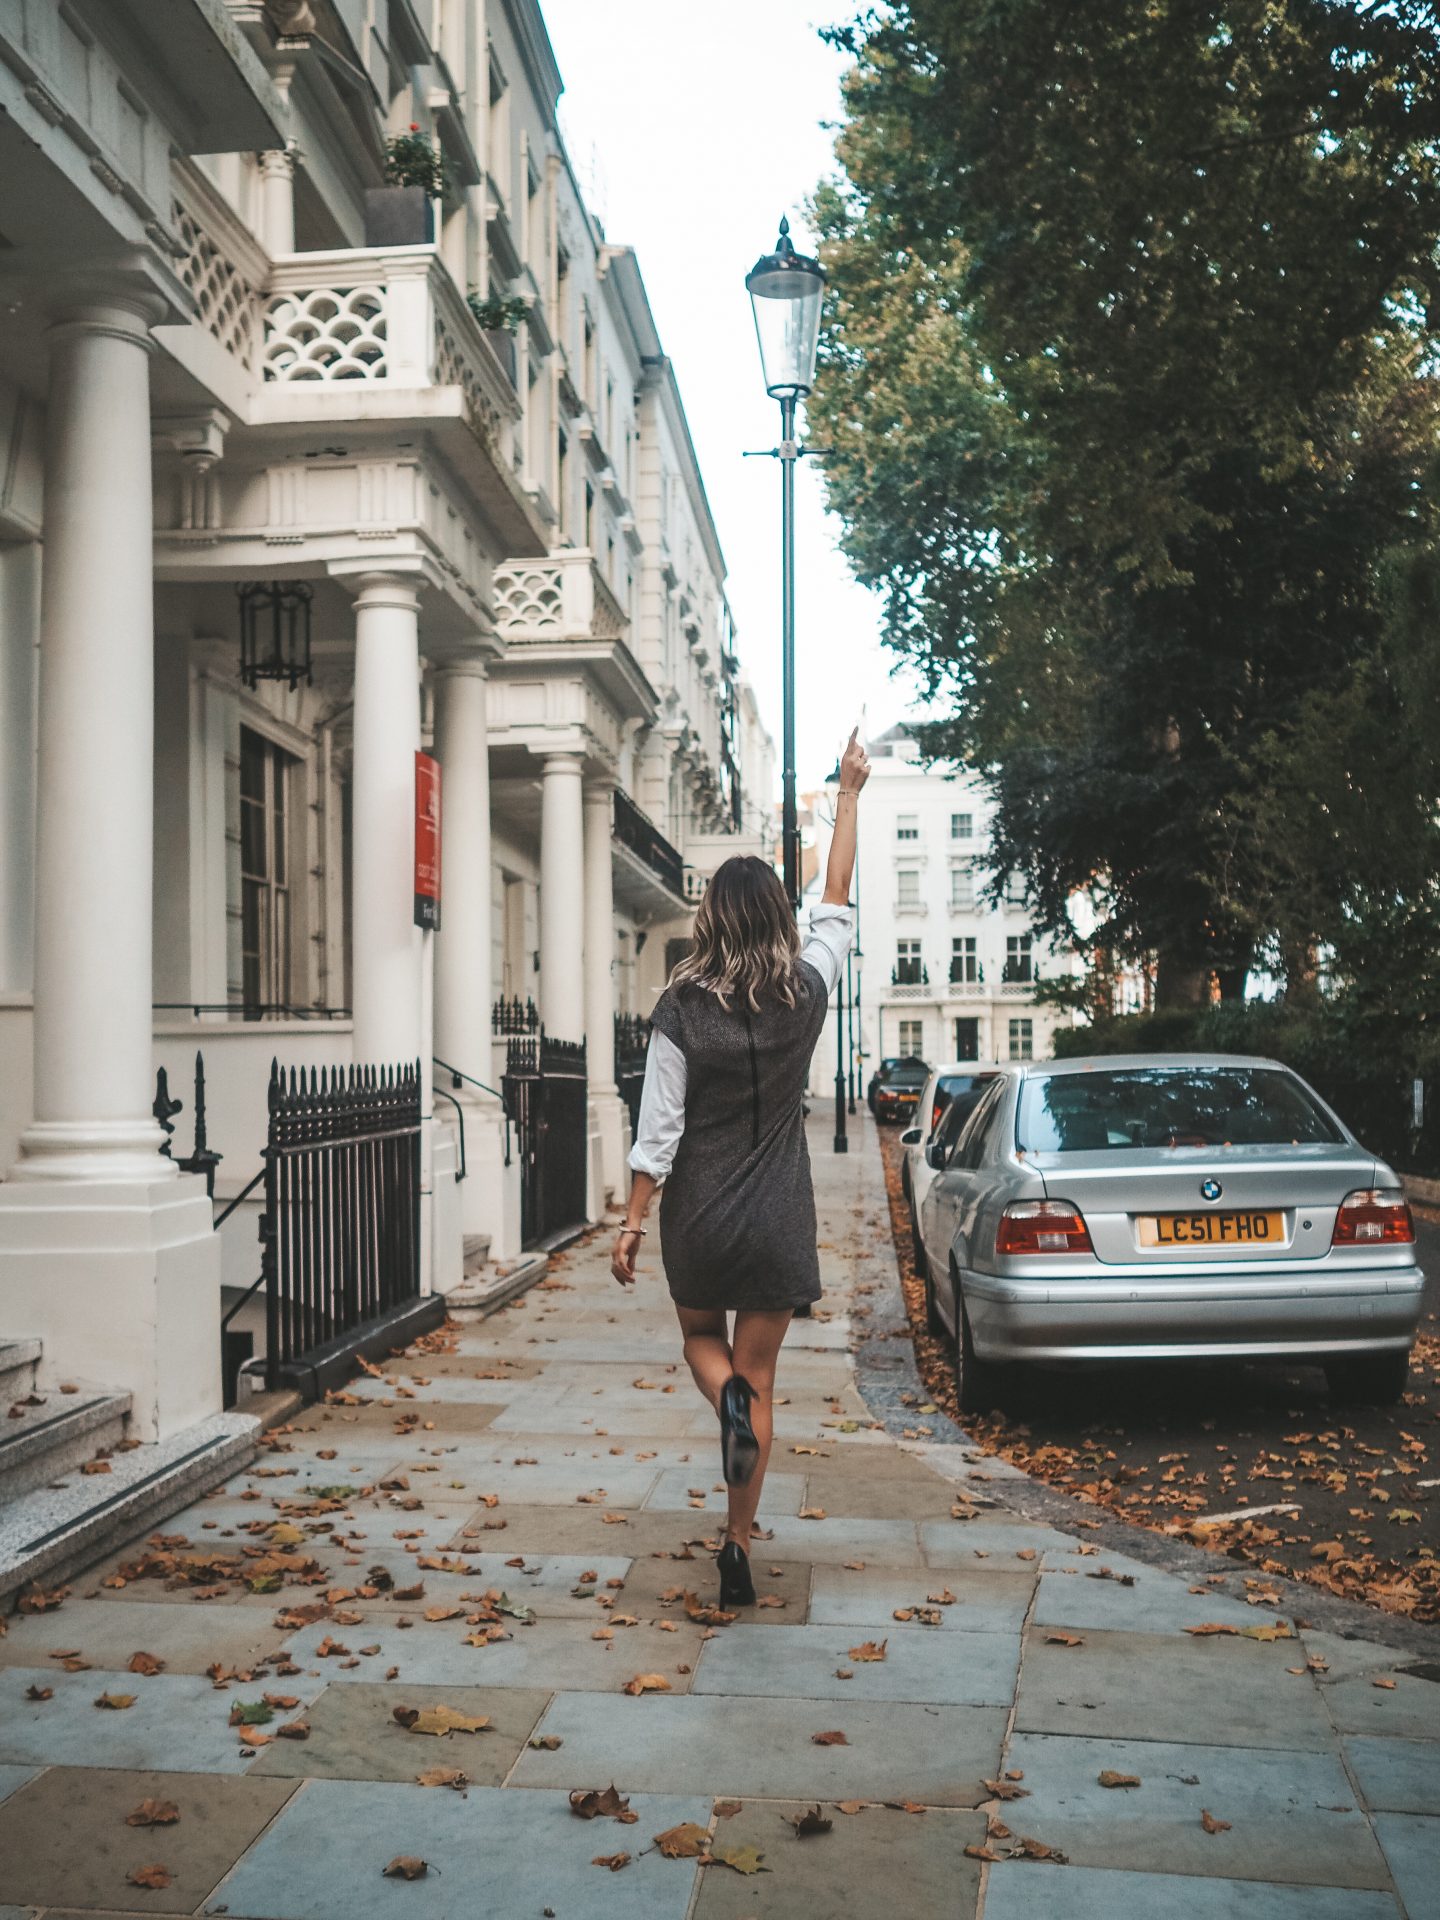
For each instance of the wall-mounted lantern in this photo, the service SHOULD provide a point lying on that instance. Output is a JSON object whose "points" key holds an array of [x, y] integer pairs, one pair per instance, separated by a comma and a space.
{"points": [[275, 632]]}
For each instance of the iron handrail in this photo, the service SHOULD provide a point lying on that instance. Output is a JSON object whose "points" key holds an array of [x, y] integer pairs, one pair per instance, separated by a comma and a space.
{"points": [[468, 1078], [244, 1194], [259, 1279], [460, 1116], [456, 1078]]}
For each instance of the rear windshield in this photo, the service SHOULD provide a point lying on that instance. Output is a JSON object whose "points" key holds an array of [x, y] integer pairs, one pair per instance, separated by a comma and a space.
{"points": [[1130, 1107], [908, 1076]]}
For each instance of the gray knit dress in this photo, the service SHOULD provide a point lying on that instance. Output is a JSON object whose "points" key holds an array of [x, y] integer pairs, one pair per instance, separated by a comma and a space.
{"points": [[737, 1213]]}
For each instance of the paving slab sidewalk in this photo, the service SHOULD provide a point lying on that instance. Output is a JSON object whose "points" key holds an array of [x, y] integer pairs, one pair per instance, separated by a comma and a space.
{"points": [[555, 1453]]}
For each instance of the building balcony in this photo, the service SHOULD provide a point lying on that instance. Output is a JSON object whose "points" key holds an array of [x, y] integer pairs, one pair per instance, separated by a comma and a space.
{"points": [[649, 875], [911, 909], [560, 598], [381, 337], [559, 611]]}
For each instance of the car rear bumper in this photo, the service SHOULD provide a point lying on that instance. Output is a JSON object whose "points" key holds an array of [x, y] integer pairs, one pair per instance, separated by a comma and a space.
{"points": [[1354, 1311]]}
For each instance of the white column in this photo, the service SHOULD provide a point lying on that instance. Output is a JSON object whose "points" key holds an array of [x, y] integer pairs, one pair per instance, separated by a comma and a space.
{"points": [[562, 867], [608, 1115], [105, 1252], [489, 1196], [94, 826], [463, 993], [599, 941], [277, 202], [386, 945]]}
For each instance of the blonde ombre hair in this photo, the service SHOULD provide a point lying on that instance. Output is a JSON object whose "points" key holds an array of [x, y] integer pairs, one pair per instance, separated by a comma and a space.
{"points": [[745, 940]]}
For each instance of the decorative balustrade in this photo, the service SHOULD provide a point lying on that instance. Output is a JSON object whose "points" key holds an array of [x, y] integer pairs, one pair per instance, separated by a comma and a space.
{"points": [[562, 597], [222, 265], [385, 316]]}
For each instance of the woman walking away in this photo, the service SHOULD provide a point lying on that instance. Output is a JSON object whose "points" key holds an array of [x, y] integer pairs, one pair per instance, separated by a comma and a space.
{"points": [[722, 1125]]}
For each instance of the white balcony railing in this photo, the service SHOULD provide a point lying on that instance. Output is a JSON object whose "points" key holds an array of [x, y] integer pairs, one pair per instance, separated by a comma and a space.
{"points": [[562, 597], [388, 318]]}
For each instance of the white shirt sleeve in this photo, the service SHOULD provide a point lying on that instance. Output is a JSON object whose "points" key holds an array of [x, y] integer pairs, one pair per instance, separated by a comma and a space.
{"points": [[662, 1108], [827, 941]]}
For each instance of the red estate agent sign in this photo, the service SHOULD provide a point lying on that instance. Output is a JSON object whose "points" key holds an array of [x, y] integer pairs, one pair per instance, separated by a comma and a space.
{"points": [[427, 841]]}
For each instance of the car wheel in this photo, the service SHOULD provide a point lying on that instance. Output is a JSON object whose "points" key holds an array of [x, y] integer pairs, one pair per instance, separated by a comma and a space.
{"points": [[978, 1383], [905, 1176], [1374, 1379]]}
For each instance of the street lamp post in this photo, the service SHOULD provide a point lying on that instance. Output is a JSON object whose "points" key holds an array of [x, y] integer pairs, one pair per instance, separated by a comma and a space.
{"points": [[786, 289]]}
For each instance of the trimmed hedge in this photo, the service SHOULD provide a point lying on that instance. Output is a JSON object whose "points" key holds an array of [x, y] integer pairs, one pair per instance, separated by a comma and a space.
{"points": [[1371, 1092]]}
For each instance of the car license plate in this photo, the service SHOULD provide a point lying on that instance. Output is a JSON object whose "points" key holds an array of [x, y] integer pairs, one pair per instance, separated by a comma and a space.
{"points": [[1212, 1229]]}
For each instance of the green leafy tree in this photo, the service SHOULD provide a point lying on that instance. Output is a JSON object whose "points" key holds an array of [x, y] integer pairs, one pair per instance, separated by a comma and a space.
{"points": [[1127, 374]]}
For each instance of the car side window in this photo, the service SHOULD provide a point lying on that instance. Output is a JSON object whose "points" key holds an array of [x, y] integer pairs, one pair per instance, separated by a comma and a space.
{"points": [[971, 1144]]}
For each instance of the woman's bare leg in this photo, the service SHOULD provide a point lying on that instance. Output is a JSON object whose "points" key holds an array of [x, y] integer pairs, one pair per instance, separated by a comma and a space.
{"points": [[707, 1350], [755, 1349]]}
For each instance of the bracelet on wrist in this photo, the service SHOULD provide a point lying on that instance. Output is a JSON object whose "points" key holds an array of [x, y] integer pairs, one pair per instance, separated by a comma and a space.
{"points": [[627, 1228]]}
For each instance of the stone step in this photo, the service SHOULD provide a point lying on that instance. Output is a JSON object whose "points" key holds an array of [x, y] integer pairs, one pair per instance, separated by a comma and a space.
{"points": [[490, 1286], [19, 1360], [475, 1253], [52, 1531], [42, 1443]]}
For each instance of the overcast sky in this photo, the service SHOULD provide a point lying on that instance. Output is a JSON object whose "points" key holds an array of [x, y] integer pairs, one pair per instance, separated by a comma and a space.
{"points": [[706, 124]]}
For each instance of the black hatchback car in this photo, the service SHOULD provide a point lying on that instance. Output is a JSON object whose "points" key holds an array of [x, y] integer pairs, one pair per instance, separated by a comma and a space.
{"points": [[896, 1088]]}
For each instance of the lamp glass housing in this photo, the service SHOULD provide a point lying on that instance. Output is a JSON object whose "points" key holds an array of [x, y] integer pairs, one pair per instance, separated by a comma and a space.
{"points": [[786, 290]]}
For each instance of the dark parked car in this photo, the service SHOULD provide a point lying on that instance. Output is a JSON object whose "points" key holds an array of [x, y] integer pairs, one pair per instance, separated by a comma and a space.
{"points": [[898, 1088], [886, 1067]]}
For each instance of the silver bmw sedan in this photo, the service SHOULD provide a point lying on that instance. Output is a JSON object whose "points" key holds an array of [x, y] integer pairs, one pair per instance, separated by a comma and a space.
{"points": [[1166, 1206]]}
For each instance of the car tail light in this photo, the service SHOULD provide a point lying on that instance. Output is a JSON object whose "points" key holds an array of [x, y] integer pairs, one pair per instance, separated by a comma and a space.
{"points": [[1373, 1216], [1042, 1226]]}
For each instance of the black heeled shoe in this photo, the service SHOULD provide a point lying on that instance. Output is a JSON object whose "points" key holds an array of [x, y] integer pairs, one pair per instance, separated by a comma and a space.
{"points": [[739, 1449], [737, 1589]]}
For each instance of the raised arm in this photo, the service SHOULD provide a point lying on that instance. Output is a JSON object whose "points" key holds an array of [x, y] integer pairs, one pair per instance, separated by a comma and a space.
{"points": [[840, 867]]}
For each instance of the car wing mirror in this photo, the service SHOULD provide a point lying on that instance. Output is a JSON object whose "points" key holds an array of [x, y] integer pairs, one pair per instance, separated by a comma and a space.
{"points": [[910, 1137], [935, 1154]]}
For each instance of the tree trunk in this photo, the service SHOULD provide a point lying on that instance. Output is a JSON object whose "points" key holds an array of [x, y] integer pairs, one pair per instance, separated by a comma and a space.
{"points": [[1180, 983], [1302, 973]]}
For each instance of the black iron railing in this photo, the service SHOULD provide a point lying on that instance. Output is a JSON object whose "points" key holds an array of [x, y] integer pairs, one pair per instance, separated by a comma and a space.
{"points": [[203, 1157], [249, 1010], [514, 1016], [909, 973], [634, 830], [546, 1096], [340, 1241], [632, 1043]]}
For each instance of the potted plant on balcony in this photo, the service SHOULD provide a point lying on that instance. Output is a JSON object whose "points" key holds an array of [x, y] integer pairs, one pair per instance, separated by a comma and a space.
{"points": [[499, 314], [402, 213]]}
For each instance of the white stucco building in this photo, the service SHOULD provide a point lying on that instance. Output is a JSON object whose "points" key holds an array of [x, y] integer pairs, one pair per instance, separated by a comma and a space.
{"points": [[941, 973], [211, 379]]}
